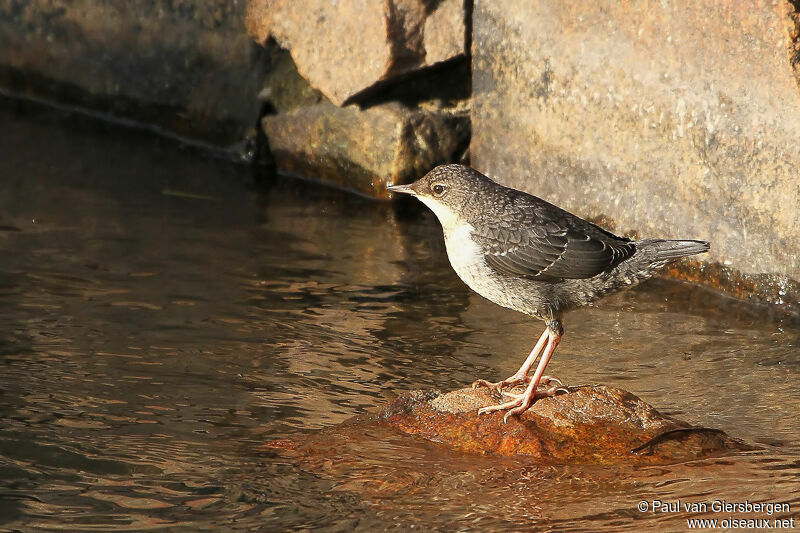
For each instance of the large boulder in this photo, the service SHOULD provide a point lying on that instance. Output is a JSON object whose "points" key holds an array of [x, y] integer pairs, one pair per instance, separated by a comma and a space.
{"points": [[670, 119], [343, 48]]}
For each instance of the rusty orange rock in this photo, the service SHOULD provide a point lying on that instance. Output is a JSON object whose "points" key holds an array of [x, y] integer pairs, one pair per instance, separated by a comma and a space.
{"points": [[590, 425]]}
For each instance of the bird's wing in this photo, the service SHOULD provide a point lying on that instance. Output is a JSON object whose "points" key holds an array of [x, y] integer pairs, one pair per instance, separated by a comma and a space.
{"points": [[535, 239]]}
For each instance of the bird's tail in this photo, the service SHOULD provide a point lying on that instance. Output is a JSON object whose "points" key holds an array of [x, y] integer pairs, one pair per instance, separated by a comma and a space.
{"points": [[665, 250]]}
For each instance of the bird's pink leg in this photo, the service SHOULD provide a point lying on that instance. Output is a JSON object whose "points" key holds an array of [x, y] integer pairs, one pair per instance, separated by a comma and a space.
{"points": [[521, 375], [521, 404]]}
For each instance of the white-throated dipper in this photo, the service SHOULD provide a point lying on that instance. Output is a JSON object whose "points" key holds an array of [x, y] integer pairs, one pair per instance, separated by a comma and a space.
{"points": [[528, 255]]}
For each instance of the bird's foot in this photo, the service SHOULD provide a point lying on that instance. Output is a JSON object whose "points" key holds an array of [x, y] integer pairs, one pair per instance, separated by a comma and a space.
{"points": [[552, 391], [519, 404], [500, 385], [513, 381], [547, 380]]}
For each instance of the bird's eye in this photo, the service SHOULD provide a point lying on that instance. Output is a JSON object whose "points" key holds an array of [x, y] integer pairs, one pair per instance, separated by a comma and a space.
{"points": [[438, 189]]}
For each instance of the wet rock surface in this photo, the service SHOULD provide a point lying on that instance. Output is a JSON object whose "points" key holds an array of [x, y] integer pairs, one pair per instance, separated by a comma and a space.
{"points": [[589, 425], [343, 48]]}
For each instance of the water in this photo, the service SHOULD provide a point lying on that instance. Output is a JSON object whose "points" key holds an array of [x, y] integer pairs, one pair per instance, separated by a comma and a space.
{"points": [[161, 320]]}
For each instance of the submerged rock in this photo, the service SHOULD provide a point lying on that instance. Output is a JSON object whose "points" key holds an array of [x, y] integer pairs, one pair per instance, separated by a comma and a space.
{"points": [[598, 425]]}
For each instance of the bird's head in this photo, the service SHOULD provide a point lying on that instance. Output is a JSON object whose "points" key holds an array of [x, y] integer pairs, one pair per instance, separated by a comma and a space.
{"points": [[446, 190]]}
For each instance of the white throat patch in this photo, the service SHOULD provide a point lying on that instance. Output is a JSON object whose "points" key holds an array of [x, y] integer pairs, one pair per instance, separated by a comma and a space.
{"points": [[464, 254], [447, 217]]}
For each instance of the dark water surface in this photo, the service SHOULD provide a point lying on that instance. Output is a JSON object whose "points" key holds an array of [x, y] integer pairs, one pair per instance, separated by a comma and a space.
{"points": [[160, 320]]}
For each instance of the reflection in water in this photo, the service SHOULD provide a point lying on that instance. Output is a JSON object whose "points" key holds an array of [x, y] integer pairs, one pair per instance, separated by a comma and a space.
{"points": [[161, 321]]}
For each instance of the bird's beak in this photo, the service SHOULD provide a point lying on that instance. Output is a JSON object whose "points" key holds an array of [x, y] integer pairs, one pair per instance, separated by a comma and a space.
{"points": [[404, 189]]}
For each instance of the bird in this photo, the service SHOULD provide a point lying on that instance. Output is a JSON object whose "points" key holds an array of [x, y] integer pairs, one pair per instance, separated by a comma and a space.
{"points": [[526, 254]]}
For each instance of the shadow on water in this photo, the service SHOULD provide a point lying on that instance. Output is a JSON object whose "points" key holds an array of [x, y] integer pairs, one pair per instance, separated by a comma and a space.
{"points": [[161, 319]]}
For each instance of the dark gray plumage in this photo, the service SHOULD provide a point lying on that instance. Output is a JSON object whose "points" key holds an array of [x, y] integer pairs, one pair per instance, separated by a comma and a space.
{"points": [[528, 255]]}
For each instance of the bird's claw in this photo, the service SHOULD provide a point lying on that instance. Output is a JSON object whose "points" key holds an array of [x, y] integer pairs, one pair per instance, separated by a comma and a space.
{"points": [[513, 412], [546, 380], [518, 405], [478, 383]]}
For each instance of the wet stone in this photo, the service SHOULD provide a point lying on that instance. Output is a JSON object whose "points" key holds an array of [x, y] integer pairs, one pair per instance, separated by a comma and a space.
{"points": [[592, 424]]}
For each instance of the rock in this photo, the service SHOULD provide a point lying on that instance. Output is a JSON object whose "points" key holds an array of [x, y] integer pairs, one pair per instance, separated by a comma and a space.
{"points": [[673, 119], [364, 150], [284, 89], [591, 425], [445, 32], [184, 66], [343, 48], [401, 134]]}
